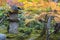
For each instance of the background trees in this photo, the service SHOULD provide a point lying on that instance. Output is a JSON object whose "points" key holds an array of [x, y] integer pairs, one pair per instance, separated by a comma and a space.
{"points": [[32, 19]]}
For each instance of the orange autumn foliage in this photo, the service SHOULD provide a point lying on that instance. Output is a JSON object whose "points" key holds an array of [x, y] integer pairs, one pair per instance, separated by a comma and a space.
{"points": [[53, 5], [2, 2]]}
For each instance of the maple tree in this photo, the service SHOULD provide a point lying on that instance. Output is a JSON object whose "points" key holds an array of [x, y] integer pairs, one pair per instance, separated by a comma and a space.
{"points": [[43, 5]]}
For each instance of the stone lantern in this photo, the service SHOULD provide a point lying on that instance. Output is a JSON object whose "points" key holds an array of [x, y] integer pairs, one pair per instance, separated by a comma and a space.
{"points": [[13, 20]]}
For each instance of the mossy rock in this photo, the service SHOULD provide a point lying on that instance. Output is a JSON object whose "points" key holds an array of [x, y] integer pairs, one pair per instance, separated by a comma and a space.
{"points": [[11, 36]]}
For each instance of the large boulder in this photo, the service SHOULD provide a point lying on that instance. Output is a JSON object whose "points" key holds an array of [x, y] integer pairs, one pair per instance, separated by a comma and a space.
{"points": [[2, 37]]}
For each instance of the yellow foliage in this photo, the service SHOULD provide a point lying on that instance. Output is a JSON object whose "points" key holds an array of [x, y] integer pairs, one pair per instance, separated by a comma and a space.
{"points": [[2, 2], [58, 8], [34, 4], [28, 20], [41, 1], [40, 4], [53, 5], [21, 0], [46, 4]]}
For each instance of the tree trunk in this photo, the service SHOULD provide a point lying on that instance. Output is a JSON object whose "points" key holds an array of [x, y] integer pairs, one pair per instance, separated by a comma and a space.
{"points": [[55, 0], [48, 27]]}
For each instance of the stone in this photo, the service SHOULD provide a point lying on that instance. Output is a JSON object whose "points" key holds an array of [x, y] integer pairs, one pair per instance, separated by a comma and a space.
{"points": [[2, 37], [13, 27], [13, 20]]}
